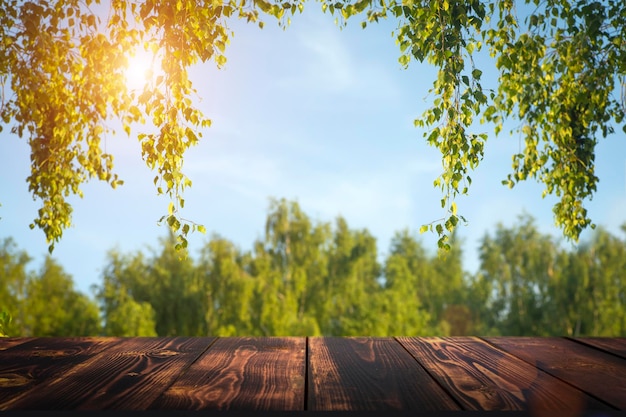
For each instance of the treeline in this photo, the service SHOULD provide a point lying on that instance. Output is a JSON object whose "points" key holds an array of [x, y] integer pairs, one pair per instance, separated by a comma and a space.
{"points": [[317, 278]]}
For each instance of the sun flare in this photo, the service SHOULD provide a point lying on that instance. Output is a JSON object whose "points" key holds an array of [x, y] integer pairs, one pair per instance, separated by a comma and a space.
{"points": [[141, 70]]}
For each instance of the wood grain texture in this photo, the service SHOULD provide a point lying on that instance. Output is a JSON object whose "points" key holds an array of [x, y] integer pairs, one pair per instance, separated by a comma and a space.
{"points": [[600, 374], [539, 375], [9, 342], [616, 346], [369, 374], [129, 376], [24, 367], [242, 374], [481, 377]]}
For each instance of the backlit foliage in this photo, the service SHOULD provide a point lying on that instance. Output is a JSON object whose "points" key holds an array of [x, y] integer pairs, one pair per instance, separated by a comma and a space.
{"points": [[561, 66]]}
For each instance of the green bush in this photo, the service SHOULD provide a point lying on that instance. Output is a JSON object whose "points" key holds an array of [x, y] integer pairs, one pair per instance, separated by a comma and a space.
{"points": [[5, 320]]}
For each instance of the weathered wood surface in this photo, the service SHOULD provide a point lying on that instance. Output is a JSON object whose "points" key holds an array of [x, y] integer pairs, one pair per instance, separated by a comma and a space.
{"points": [[380, 374], [24, 367], [598, 373], [482, 377], [614, 346], [242, 374], [370, 374], [129, 374], [7, 342]]}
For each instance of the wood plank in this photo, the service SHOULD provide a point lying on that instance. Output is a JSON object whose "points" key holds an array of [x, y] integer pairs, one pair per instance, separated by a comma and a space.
{"points": [[24, 367], [9, 342], [598, 373], [129, 375], [616, 346], [369, 374], [482, 377], [265, 373]]}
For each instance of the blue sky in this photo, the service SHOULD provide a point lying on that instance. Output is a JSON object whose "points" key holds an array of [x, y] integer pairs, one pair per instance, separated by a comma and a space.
{"points": [[314, 114]]}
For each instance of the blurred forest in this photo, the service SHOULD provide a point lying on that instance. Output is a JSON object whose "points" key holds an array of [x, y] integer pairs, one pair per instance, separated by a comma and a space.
{"points": [[317, 278]]}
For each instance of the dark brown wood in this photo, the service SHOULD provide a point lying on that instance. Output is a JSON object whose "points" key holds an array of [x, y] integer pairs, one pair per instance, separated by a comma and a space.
{"points": [[129, 375], [24, 367], [9, 342], [546, 376], [600, 374], [369, 374], [616, 346], [242, 374], [481, 377]]}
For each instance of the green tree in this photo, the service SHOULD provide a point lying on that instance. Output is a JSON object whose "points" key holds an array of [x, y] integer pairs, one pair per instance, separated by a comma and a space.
{"points": [[559, 63], [352, 291], [304, 278], [570, 305], [450, 291], [519, 263], [13, 279], [173, 290], [53, 308], [408, 270], [166, 283], [608, 263], [44, 302], [272, 314], [227, 290], [130, 318], [591, 294], [5, 321], [295, 264], [480, 301], [436, 285], [122, 314]]}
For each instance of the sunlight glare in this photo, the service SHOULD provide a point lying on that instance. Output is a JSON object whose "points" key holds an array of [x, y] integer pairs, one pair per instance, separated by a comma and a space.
{"points": [[142, 69]]}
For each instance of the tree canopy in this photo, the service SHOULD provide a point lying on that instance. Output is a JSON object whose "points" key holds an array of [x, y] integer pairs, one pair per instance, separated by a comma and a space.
{"points": [[307, 277], [561, 66]]}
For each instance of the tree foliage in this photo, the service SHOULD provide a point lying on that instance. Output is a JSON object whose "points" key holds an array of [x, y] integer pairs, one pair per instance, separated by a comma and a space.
{"points": [[561, 73], [303, 278], [43, 302], [531, 286], [307, 278]]}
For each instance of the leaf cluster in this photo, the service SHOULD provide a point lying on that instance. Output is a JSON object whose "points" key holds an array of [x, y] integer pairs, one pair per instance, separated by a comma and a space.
{"points": [[560, 66]]}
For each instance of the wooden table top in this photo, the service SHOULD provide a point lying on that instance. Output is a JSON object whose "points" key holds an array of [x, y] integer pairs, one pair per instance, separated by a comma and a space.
{"points": [[293, 373]]}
